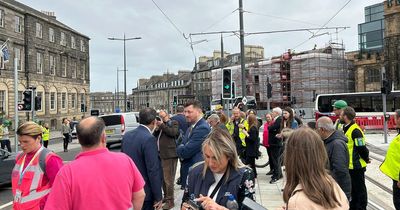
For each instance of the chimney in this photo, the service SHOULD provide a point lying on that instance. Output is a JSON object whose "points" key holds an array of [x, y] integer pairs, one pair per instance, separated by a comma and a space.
{"points": [[49, 13]]}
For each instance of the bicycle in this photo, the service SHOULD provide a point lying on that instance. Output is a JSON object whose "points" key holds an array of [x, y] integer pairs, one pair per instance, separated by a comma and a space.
{"points": [[263, 159]]}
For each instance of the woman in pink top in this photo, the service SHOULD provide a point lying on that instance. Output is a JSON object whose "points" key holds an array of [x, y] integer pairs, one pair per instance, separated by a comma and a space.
{"points": [[269, 122], [308, 184]]}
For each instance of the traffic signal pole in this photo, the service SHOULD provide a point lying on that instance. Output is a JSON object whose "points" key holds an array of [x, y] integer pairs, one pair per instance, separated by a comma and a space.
{"points": [[15, 104], [385, 128], [33, 102]]}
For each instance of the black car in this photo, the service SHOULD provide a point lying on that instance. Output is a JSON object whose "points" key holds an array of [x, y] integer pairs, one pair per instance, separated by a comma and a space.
{"points": [[7, 163]]}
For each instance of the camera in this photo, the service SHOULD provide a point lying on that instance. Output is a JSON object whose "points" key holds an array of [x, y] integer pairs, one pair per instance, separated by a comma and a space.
{"points": [[193, 205]]}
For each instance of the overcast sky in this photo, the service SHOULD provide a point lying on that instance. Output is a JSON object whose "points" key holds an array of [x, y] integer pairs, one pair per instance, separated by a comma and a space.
{"points": [[163, 48]]}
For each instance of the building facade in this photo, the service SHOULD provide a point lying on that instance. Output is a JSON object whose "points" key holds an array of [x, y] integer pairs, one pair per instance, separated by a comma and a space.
{"points": [[107, 102], [392, 41], [204, 83], [51, 57], [158, 91]]}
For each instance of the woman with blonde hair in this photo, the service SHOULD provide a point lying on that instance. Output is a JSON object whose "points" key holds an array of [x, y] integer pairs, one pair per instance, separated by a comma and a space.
{"points": [[220, 173], [309, 185], [35, 169]]}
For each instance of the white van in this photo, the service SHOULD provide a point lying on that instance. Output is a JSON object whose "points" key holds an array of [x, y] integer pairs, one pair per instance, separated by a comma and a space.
{"points": [[117, 124]]}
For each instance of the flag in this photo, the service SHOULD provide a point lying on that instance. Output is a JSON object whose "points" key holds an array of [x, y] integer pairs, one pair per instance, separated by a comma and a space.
{"points": [[5, 54]]}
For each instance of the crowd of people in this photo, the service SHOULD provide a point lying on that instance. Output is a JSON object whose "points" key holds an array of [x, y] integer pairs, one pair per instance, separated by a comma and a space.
{"points": [[324, 162]]}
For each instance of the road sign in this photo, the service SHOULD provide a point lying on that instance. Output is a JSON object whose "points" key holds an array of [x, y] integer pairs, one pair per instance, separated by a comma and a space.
{"points": [[244, 100]]}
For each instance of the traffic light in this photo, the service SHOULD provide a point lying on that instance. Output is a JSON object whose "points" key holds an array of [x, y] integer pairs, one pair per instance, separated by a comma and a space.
{"points": [[26, 101], [226, 84], [175, 102], [386, 87], [269, 90], [233, 90], [82, 107], [128, 106], [38, 103]]}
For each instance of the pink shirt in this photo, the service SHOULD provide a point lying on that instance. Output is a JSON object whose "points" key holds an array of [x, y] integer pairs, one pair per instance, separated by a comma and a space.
{"points": [[97, 179]]}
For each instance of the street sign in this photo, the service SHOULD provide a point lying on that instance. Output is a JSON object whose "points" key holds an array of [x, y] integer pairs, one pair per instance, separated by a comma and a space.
{"points": [[244, 100]]}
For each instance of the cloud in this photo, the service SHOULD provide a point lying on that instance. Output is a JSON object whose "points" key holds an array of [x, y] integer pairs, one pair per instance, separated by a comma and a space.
{"points": [[162, 47]]}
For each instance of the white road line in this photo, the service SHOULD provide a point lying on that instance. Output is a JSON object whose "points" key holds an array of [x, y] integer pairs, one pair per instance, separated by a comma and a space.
{"points": [[6, 205]]}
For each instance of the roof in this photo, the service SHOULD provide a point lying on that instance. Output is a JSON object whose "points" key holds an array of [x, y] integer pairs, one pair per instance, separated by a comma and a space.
{"points": [[29, 10]]}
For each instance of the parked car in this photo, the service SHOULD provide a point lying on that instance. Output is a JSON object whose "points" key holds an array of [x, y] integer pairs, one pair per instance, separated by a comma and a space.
{"points": [[117, 124], [7, 163]]}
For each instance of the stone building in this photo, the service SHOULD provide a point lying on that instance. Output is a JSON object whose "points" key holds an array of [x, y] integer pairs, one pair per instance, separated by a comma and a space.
{"points": [[50, 56], [392, 41], [203, 83], [107, 102], [159, 90]]}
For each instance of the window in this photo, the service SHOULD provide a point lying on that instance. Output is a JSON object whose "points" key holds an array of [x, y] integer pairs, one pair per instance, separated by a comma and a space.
{"points": [[39, 31], [39, 63], [63, 100], [51, 35], [2, 100], [74, 66], [73, 46], [373, 75], [52, 65], [2, 18], [83, 70], [18, 24], [83, 46], [83, 98], [52, 101], [73, 101], [64, 66], [40, 94], [18, 58], [63, 40]]}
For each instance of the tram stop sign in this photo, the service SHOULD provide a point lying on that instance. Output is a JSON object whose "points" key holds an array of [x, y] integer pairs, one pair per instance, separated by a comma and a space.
{"points": [[244, 100]]}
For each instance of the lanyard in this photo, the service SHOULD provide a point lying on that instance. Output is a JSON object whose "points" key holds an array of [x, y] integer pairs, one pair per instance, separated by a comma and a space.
{"points": [[21, 171]]}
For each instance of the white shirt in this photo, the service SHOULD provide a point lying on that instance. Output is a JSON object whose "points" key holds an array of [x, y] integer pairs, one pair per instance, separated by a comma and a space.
{"points": [[147, 128], [217, 178]]}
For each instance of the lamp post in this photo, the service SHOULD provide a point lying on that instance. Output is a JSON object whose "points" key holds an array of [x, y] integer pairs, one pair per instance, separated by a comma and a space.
{"points": [[124, 39]]}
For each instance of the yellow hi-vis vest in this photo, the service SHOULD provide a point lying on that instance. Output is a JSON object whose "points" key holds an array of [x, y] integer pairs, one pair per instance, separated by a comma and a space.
{"points": [[391, 164], [46, 134], [351, 143], [338, 125], [230, 126]]}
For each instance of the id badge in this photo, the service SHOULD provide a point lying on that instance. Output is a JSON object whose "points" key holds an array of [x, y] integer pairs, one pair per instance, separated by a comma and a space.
{"points": [[18, 195]]}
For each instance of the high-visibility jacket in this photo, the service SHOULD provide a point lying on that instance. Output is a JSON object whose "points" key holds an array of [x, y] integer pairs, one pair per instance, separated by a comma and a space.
{"points": [[231, 127], [351, 144], [338, 125], [29, 190], [46, 134], [391, 164]]}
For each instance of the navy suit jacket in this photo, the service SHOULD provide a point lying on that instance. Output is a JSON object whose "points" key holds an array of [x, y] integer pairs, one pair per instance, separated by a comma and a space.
{"points": [[141, 146], [183, 124], [190, 150]]}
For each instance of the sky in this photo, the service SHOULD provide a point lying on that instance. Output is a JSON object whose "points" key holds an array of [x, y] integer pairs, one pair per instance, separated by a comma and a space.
{"points": [[163, 46]]}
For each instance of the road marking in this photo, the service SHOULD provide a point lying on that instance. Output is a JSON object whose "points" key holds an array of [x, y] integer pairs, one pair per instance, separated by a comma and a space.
{"points": [[6, 205]]}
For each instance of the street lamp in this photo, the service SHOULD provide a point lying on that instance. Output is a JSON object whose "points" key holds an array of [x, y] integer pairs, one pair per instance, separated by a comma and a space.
{"points": [[124, 39]]}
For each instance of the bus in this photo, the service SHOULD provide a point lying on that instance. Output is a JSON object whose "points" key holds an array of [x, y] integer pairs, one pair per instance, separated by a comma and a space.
{"points": [[368, 107]]}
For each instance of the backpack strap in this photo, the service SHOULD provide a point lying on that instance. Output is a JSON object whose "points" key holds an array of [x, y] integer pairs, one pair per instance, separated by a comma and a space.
{"points": [[42, 159]]}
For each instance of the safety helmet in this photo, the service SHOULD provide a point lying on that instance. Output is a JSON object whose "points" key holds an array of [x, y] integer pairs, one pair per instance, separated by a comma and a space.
{"points": [[339, 104]]}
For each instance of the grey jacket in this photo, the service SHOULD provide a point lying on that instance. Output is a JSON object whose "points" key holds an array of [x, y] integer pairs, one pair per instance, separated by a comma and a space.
{"points": [[338, 155]]}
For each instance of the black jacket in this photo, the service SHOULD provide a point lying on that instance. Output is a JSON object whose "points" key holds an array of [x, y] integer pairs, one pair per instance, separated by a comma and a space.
{"points": [[274, 129], [338, 155], [251, 142]]}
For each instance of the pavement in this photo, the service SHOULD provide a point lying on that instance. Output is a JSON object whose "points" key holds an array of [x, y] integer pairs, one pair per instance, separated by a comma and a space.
{"points": [[268, 195]]}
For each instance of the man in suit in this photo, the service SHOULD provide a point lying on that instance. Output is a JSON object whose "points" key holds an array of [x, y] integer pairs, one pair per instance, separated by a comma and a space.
{"points": [[141, 146], [189, 151], [167, 132], [276, 145]]}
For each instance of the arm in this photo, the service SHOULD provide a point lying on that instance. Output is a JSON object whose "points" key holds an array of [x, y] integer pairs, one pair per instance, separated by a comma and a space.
{"points": [[276, 126], [60, 196], [53, 165], [194, 144], [253, 134], [153, 168], [359, 142], [138, 199], [172, 130], [339, 167]]}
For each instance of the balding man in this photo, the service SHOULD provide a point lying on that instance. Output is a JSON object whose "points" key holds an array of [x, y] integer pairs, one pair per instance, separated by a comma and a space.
{"points": [[97, 178], [336, 146]]}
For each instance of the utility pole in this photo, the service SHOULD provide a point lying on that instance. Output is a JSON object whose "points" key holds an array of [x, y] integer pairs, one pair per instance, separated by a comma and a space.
{"points": [[33, 102], [222, 70], [168, 85], [242, 59], [385, 129], [16, 103], [117, 94]]}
